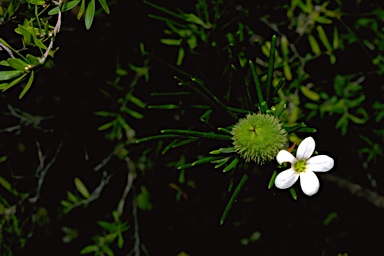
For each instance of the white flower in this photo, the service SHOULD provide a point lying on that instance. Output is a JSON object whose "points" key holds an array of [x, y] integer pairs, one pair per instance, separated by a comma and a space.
{"points": [[303, 166]]}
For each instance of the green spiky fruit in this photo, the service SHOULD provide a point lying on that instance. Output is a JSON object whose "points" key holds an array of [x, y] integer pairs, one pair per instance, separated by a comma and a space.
{"points": [[259, 137]]}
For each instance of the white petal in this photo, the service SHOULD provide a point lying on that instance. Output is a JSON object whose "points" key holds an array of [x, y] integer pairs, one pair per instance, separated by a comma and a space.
{"points": [[306, 148], [320, 163], [285, 156], [286, 179], [309, 183]]}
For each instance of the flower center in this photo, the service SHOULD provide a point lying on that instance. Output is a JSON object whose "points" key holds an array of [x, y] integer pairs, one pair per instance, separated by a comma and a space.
{"points": [[300, 166]]}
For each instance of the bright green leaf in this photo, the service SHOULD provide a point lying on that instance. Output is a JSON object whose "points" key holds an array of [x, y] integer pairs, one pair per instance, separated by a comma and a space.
{"points": [[232, 165], [142, 199], [323, 37], [81, 10], [32, 60], [309, 93], [6, 75], [104, 4], [27, 35], [180, 56], [133, 113], [36, 2], [17, 63], [66, 6], [81, 188], [108, 226], [28, 85], [106, 126], [314, 45], [71, 197], [6, 184], [323, 20], [107, 250], [89, 249], [105, 114], [172, 42], [120, 240], [90, 14]]}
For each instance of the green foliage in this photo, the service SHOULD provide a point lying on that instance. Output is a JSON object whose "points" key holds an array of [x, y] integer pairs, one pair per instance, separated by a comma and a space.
{"points": [[112, 233], [167, 115], [346, 102], [37, 34]]}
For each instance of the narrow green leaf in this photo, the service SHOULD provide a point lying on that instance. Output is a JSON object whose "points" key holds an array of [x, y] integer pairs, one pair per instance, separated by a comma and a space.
{"points": [[66, 6], [323, 20], [4, 63], [336, 40], [33, 60], [323, 38], [167, 148], [208, 135], [120, 240], [143, 199], [272, 180], [293, 193], [36, 2], [177, 143], [136, 101], [180, 56], [306, 130], [17, 63], [314, 45], [358, 120], [81, 10], [89, 249], [204, 160], [256, 80], [221, 129], [271, 66], [309, 93], [28, 85], [194, 19], [158, 137], [27, 35], [165, 10], [133, 113], [232, 165], [104, 4], [107, 250], [89, 14], [3, 158], [6, 184], [171, 42], [167, 106], [221, 162], [108, 226], [284, 46], [66, 204], [106, 126], [223, 150], [279, 85], [198, 162], [71, 197], [6, 75], [81, 188], [294, 127], [5, 86], [287, 71], [105, 114]]}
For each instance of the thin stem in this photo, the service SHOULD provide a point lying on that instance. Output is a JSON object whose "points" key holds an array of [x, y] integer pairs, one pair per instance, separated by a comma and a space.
{"points": [[233, 198], [271, 65]]}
